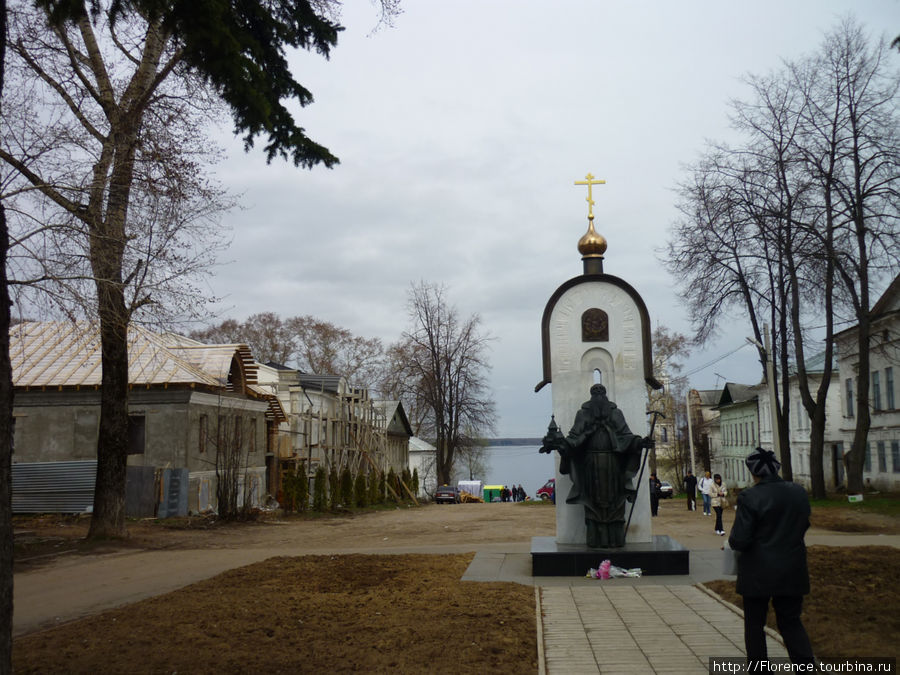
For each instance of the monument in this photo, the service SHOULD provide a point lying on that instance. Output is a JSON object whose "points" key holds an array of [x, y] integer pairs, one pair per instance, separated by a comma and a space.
{"points": [[596, 343]]}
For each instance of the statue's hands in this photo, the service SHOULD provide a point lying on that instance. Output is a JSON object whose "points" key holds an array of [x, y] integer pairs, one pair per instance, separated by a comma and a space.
{"points": [[630, 495], [551, 443], [648, 443]]}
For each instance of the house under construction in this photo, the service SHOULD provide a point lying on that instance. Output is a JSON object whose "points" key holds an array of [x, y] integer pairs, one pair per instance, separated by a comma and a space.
{"points": [[332, 425]]}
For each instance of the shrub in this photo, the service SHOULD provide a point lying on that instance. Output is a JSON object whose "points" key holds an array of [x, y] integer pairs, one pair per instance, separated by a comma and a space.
{"points": [[362, 493], [376, 488], [346, 487], [302, 489], [392, 482], [320, 491], [334, 489]]}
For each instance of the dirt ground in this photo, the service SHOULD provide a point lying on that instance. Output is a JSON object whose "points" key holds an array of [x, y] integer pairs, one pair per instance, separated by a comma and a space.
{"points": [[851, 608], [339, 603]]}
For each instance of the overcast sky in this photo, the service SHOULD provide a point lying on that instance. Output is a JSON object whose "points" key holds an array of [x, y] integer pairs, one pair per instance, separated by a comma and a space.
{"points": [[461, 131]]}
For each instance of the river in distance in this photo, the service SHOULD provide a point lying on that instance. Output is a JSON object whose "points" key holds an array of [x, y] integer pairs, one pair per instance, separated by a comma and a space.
{"points": [[517, 465]]}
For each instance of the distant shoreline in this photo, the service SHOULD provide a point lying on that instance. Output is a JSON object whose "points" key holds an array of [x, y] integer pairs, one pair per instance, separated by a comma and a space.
{"points": [[495, 442]]}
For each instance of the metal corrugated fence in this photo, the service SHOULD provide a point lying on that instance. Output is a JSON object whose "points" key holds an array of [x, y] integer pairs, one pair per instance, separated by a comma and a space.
{"points": [[53, 487]]}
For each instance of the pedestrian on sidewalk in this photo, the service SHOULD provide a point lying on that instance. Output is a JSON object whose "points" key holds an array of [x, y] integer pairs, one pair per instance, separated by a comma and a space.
{"points": [[655, 487], [690, 486], [771, 520], [702, 486], [718, 498]]}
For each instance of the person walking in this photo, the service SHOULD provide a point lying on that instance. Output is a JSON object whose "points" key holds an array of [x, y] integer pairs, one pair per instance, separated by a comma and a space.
{"points": [[702, 486], [655, 485], [718, 499], [690, 487], [771, 520]]}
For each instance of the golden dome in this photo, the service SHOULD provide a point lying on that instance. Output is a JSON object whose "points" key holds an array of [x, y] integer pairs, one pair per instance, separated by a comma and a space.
{"points": [[592, 245]]}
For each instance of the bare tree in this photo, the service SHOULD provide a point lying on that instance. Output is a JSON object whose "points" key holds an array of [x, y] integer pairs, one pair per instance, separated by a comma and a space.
{"points": [[265, 333], [312, 345], [801, 219], [856, 118], [325, 348], [6, 405], [115, 198], [398, 382], [729, 254], [669, 347], [448, 360]]}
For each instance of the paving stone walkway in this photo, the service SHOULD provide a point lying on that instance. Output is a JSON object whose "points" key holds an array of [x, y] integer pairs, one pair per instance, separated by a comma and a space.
{"points": [[609, 628]]}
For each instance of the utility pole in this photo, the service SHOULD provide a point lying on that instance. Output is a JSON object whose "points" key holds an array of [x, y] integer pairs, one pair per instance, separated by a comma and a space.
{"points": [[770, 382], [687, 407]]}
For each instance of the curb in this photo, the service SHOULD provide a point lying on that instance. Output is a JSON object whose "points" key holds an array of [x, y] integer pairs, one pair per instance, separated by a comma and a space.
{"points": [[539, 621]]}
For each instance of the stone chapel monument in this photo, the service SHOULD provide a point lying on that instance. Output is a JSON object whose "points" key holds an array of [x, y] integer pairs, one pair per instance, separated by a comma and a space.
{"points": [[596, 330]]}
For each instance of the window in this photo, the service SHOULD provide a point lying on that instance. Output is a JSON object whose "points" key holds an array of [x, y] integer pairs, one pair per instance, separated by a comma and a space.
{"points": [[664, 432], [876, 390], [252, 440], [849, 388], [238, 427], [882, 459], [136, 434], [889, 388], [204, 431], [867, 466], [895, 455]]}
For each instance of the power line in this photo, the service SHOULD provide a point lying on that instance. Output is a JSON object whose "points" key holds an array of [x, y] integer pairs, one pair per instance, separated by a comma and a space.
{"points": [[711, 363]]}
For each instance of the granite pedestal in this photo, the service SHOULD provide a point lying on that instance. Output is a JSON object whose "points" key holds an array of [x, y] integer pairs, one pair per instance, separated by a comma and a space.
{"points": [[662, 556]]}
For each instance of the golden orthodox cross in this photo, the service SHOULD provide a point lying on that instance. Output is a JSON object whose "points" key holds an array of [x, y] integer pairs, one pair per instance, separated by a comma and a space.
{"points": [[590, 182]]}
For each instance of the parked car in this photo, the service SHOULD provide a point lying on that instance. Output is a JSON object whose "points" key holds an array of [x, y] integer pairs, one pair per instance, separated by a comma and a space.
{"points": [[447, 494], [547, 491], [666, 490]]}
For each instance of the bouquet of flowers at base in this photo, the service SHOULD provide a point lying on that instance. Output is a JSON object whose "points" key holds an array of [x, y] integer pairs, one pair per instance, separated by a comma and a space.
{"points": [[609, 571]]}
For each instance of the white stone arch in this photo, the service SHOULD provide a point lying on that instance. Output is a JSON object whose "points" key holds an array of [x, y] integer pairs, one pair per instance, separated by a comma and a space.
{"points": [[598, 358]]}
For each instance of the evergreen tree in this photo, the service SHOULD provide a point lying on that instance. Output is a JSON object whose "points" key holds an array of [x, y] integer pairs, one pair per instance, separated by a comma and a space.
{"points": [[361, 490], [347, 496], [392, 482], [302, 491], [334, 489], [375, 491], [320, 491]]}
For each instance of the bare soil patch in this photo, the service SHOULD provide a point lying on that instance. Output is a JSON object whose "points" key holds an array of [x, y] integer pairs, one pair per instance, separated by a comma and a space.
{"points": [[332, 614], [851, 609]]}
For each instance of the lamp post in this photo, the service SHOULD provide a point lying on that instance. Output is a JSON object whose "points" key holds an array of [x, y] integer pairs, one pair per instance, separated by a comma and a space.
{"points": [[770, 378]]}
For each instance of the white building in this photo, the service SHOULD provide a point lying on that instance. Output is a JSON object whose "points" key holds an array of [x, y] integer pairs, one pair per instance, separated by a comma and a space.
{"points": [[422, 459], [882, 463], [800, 425]]}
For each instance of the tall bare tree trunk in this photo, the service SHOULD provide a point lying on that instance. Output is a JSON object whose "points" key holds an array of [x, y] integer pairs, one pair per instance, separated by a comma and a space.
{"points": [[112, 443], [6, 404], [106, 253]]}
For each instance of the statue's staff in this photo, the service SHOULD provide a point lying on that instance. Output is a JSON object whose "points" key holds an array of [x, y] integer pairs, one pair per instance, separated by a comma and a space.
{"points": [[656, 414]]}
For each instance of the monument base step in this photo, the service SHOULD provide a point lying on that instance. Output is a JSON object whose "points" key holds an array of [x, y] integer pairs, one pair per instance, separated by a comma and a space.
{"points": [[661, 556]]}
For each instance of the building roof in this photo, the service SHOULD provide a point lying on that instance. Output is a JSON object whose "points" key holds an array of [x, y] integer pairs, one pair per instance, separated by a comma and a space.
{"points": [[66, 354], [416, 444], [329, 383], [885, 305], [733, 393], [393, 410], [709, 396]]}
